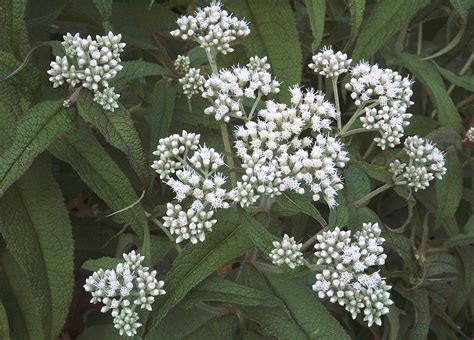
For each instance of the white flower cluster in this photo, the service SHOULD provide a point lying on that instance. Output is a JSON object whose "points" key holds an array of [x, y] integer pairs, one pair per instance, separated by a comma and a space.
{"points": [[227, 90], [123, 289], [470, 134], [330, 64], [91, 64], [192, 82], [276, 158], [212, 27], [344, 279], [388, 94], [287, 252], [181, 64], [193, 177], [425, 162]]}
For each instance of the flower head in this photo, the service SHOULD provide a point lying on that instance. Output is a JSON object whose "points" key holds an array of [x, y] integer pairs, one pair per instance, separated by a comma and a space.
{"points": [[123, 289], [212, 27], [345, 280], [425, 163], [287, 252], [329, 63], [192, 82], [91, 64]]}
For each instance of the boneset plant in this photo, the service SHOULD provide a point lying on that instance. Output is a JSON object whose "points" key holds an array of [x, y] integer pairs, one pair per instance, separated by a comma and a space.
{"points": [[236, 170]]}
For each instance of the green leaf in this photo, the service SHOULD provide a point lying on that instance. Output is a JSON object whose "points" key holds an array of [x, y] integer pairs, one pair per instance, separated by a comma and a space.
{"points": [[275, 322], [384, 21], [105, 9], [429, 76], [422, 320], [290, 203], [103, 262], [305, 308], [274, 36], [4, 328], [258, 234], [37, 231], [357, 185], [460, 240], [357, 8], [137, 69], [449, 189], [162, 112], [223, 327], [10, 111], [13, 35], [466, 82], [159, 247], [421, 126], [316, 13], [339, 215], [24, 321], [380, 173], [227, 241], [117, 128], [84, 153], [41, 126], [217, 289], [172, 328]]}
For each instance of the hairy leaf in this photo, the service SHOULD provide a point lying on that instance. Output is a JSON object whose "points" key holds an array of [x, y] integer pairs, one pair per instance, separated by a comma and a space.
{"points": [[4, 328], [84, 153], [162, 112], [216, 289], [380, 173], [13, 35], [41, 126], [317, 14], [357, 14], [274, 36], [305, 308], [429, 76], [466, 82], [258, 234], [384, 21], [103, 262], [24, 321], [290, 203], [105, 9], [227, 241], [460, 240], [449, 189], [37, 231], [137, 69], [117, 128]]}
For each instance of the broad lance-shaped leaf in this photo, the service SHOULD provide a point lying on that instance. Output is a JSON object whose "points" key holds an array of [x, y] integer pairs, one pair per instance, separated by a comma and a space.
{"points": [[227, 241], [137, 69], [13, 35], [466, 82], [41, 126], [429, 76], [24, 321], [97, 169], [384, 21], [305, 308], [274, 36], [316, 14], [117, 128], [10, 111], [291, 203], [4, 328], [357, 8], [105, 9], [217, 289], [161, 112], [449, 189], [36, 228]]}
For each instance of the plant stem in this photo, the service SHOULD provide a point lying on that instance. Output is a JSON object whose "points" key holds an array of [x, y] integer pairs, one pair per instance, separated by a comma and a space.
{"points": [[356, 115], [336, 100], [373, 193], [167, 233], [355, 131], [211, 57], [228, 151], [420, 38], [369, 150], [254, 105]]}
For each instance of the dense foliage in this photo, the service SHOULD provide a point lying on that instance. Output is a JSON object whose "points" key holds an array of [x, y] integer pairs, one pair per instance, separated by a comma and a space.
{"points": [[301, 170]]}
